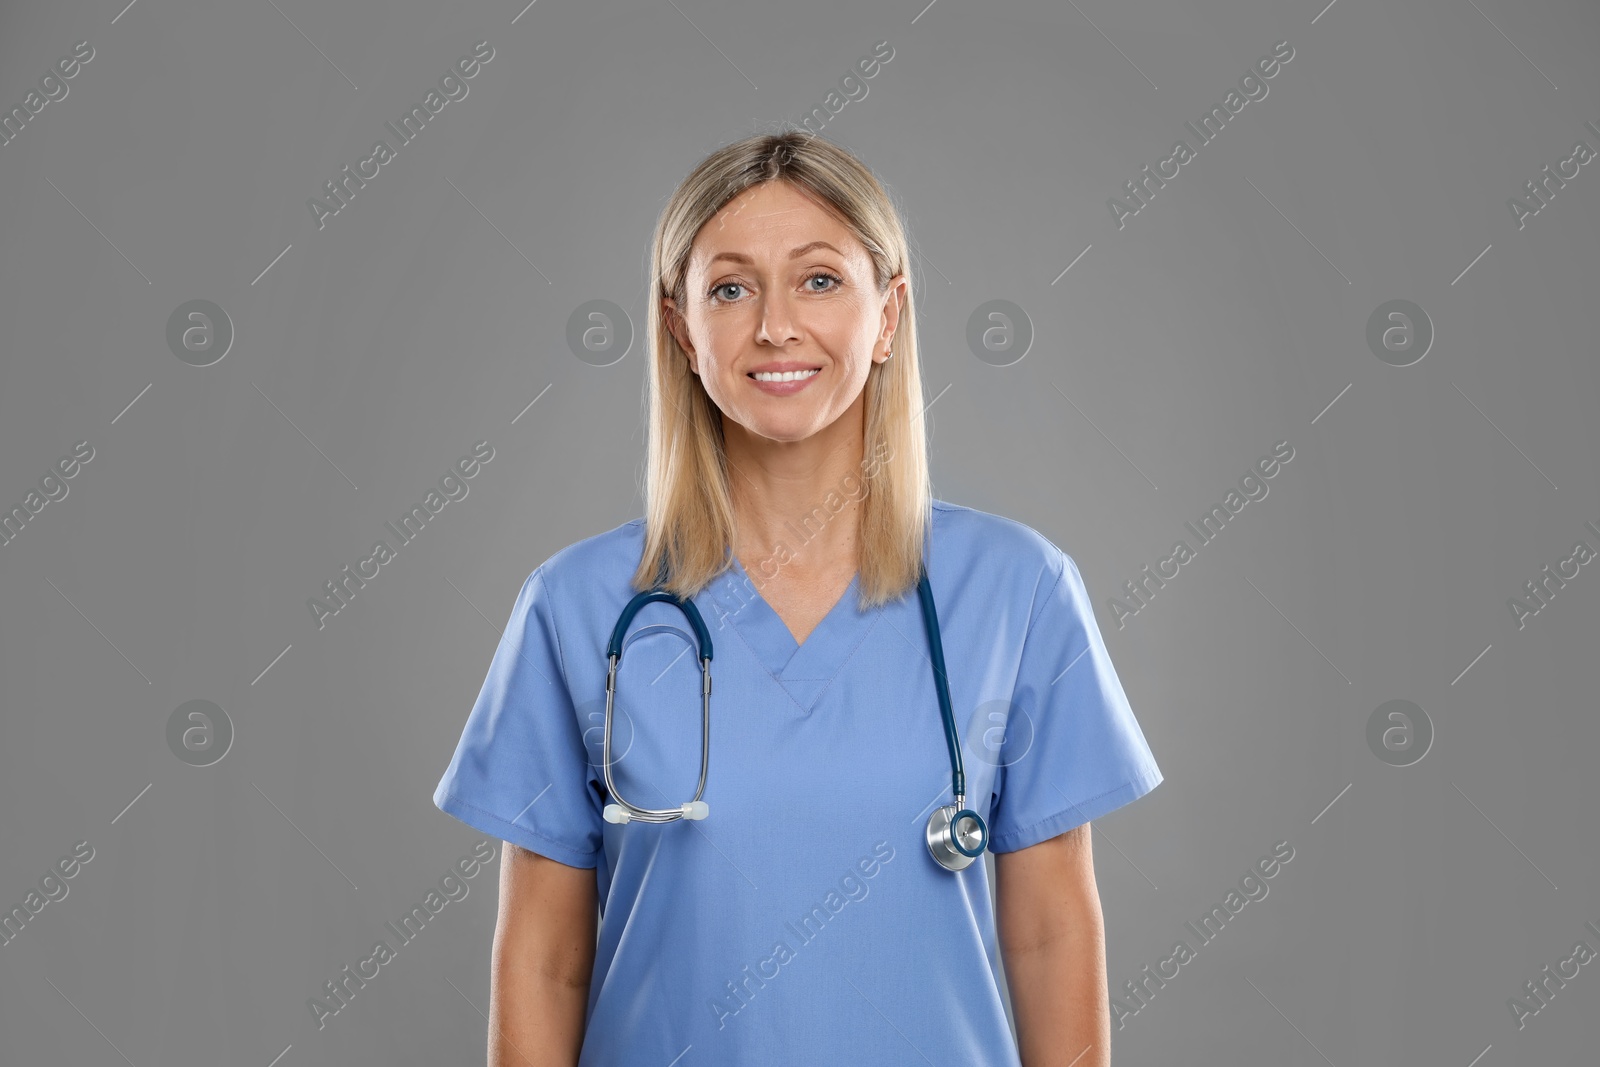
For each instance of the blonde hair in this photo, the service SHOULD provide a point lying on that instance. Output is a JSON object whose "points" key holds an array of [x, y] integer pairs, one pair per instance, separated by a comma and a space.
{"points": [[689, 520]]}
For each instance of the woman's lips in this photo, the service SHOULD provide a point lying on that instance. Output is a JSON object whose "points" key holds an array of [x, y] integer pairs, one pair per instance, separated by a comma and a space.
{"points": [[783, 388]]}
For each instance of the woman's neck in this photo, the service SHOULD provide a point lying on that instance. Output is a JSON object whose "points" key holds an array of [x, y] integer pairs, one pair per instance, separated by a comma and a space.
{"points": [[797, 504]]}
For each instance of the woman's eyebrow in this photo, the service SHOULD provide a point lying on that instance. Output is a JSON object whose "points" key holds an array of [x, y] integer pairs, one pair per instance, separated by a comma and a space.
{"points": [[739, 257]]}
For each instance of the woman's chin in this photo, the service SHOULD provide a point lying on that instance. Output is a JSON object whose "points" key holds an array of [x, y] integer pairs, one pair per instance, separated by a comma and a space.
{"points": [[782, 431]]}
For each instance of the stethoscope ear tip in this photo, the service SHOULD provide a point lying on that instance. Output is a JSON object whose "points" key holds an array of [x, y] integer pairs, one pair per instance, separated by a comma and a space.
{"points": [[695, 809]]}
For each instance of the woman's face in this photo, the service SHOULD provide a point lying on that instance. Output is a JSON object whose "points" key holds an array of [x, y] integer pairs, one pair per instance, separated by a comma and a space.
{"points": [[773, 279]]}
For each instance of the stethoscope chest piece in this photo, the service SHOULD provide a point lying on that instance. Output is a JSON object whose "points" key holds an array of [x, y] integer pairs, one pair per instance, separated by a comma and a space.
{"points": [[956, 836]]}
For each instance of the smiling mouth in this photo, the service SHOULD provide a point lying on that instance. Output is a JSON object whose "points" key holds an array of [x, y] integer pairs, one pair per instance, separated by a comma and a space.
{"points": [[784, 376]]}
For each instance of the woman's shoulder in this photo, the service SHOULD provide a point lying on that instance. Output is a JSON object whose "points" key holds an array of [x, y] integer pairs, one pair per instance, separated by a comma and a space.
{"points": [[1018, 547], [613, 551]]}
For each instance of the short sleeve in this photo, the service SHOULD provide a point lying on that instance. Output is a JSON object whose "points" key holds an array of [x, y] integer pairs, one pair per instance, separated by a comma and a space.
{"points": [[1080, 752], [520, 771]]}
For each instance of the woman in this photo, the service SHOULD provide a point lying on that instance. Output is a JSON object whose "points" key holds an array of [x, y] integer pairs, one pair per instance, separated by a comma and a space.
{"points": [[805, 919]]}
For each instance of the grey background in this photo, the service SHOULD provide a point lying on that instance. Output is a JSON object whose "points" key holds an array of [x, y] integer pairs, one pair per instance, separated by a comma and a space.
{"points": [[1229, 314]]}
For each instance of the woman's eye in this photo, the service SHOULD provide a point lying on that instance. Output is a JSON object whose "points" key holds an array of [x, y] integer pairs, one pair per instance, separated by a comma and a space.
{"points": [[718, 293]]}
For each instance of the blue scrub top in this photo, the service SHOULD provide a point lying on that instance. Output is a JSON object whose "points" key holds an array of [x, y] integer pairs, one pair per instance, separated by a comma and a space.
{"points": [[803, 921]]}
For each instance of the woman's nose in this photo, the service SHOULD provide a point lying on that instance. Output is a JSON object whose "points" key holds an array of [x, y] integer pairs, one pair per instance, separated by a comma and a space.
{"points": [[777, 319]]}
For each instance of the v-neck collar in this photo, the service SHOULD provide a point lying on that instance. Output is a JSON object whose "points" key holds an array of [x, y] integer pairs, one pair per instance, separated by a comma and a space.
{"points": [[803, 669]]}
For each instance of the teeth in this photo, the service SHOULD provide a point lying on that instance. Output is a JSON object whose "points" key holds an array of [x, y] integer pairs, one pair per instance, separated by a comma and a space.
{"points": [[784, 376]]}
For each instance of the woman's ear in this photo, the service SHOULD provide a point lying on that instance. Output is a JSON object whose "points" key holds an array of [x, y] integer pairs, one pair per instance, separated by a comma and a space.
{"points": [[894, 300], [680, 332]]}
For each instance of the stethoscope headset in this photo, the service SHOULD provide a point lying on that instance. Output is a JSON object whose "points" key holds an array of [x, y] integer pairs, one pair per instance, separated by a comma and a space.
{"points": [[956, 835]]}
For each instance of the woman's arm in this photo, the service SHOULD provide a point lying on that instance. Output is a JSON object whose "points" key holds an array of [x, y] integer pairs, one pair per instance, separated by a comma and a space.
{"points": [[1052, 943], [544, 943]]}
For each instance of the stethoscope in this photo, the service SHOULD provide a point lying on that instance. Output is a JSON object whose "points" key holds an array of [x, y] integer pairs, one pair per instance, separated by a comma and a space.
{"points": [[956, 835]]}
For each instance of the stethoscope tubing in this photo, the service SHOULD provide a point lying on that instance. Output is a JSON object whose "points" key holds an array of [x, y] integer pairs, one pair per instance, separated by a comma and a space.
{"points": [[930, 622], [614, 656]]}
